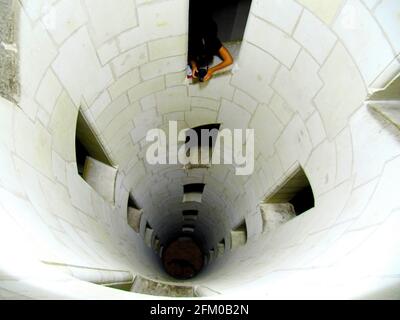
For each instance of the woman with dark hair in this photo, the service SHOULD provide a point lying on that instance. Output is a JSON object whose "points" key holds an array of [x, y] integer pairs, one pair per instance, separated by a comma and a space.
{"points": [[203, 46]]}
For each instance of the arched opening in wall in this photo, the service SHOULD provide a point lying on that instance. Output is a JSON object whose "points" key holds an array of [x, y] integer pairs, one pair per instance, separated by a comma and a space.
{"points": [[296, 190], [148, 235], [228, 17], [293, 197], [386, 102], [200, 143], [92, 162], [190, 215], [134, 214], [193, 192], [221, 248], [211, 255], [156, 244], [188, 228], [239, 235]]}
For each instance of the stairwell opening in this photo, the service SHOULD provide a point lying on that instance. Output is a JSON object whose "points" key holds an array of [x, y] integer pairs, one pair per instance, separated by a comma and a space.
{"points": [[38, 206], [92, 162], [182, 258], [193, 192], [239, 235], [190, 215], [87, 145], [385, 103], [296, 190], [200, 143], [230, 17]]}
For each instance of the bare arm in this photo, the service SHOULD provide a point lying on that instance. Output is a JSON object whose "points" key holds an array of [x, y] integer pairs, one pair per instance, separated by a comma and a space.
{"points": [[194, 69], [227, 60]]}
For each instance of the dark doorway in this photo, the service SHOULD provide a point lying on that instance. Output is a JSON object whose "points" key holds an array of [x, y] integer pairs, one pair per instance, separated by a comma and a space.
{"points": [[229, 15], [226, 19], [295, 190], [194, 188], [81, 154], [87, 144]]}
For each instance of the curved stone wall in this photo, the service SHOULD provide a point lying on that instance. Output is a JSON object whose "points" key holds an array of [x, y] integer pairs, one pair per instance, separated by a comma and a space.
{"points": [[303, 75]]}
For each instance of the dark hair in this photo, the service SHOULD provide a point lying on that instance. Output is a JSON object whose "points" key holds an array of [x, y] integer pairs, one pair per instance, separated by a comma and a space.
{"points": [[203, 31], [204, 58]]}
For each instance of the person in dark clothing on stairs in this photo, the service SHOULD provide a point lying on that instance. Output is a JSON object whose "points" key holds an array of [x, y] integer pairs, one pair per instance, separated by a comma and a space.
{"points": [[204, 45]]}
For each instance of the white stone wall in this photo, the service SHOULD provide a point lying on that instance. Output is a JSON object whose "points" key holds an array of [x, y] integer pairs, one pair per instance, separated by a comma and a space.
{"points": [[56, 229], [321, 61], [305, 70]]}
